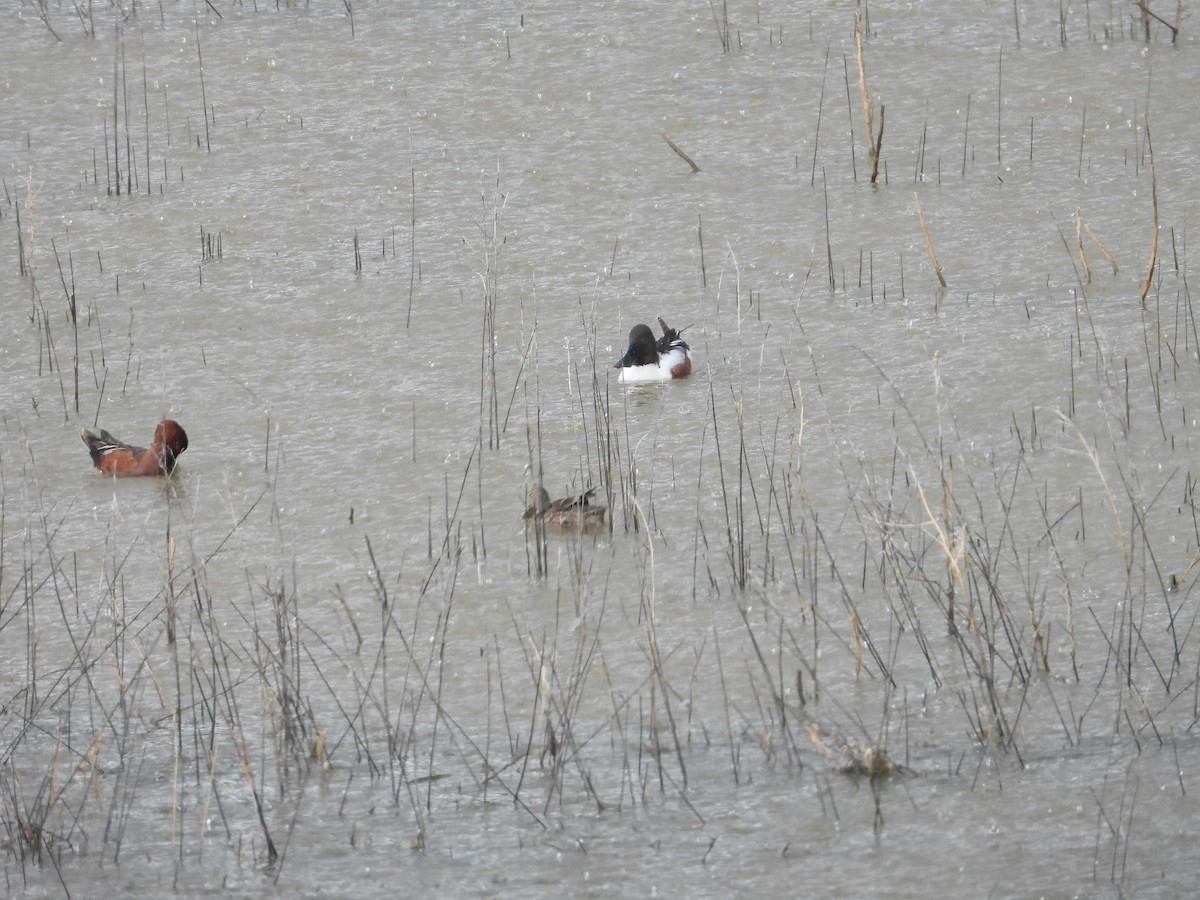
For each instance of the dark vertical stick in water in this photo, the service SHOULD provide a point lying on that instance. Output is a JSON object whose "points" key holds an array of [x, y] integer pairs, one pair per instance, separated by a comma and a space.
{"points": [[849, 119], [700, 234], [812, 178], [712, 402], [1154, 196], [20, 243], [128, 139], [412, 256], [100, 396], [919, 170], [1017, 22], [966, 133], [828, 242], [72, 311], [116, 110], [146, 108], [722, 29], [167, 118], [479, 487], [203, 93], [1082, 134], [107, 168], [999, 102]]}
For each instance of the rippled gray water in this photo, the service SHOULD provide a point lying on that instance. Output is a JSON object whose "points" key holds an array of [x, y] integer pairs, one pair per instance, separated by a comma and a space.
{"points": [[379, 266]]}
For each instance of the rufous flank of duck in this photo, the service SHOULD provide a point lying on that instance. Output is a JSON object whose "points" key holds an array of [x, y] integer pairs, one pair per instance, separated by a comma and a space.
{"points": [[648, 359], [576, 513], [115, 457]]}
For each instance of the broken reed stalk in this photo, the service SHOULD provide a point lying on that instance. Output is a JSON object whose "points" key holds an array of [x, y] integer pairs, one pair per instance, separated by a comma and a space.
{"points": [[1087, 270], [937, 267], [1154, 196], [687, 159], [1100, 246], [874, 138], [1148, 14]]}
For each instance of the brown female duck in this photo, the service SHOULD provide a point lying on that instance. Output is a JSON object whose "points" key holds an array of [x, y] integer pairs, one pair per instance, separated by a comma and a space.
{"points": [[569, 513]]}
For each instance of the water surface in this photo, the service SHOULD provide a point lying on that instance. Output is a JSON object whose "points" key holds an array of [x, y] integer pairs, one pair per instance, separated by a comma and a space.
{"points": [[329, 657]]}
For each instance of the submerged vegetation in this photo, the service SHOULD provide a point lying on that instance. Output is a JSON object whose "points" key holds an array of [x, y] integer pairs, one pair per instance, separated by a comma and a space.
{"points": [[827, 578]]}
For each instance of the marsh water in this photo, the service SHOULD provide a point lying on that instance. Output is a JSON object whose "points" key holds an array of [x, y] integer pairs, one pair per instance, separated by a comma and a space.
{"points": [[378, 259]]}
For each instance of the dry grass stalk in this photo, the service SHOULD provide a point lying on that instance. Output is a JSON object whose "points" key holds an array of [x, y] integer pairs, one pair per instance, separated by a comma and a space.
{"points": [[937, 267], [952, 546], [1087, 270], [1154, 196], [874, 138], [856, 628], [1100, 245], [851, 757]]}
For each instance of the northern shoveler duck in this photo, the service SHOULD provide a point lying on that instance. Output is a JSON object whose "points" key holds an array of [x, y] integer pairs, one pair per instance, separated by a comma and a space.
{"points": [[120, 459], [572, 513], [651, 360]]}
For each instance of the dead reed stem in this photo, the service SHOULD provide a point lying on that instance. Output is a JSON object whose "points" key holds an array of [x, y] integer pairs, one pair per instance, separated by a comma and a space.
{"points": [[874, 139], [1154, 241], [1087, 270], [1100, 246], [687, 159], [1148, 14], [937, 267]]}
